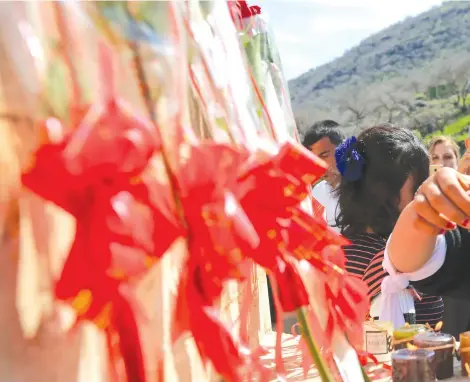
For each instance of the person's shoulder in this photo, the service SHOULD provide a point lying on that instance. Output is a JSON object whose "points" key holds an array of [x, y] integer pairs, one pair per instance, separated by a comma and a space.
{"points": [[319, 188], [321, 185]]}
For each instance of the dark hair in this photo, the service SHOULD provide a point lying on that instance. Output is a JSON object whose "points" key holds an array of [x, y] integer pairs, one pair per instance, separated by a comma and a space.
{"points": [[391, 155], [327, 128]]}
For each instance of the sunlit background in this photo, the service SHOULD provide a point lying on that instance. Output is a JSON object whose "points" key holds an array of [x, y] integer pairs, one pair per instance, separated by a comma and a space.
{"points": [[313, 32]]}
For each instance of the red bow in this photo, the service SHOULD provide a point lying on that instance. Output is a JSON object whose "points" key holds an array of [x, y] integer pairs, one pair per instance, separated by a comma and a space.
{"points": [[218, 185], [240, 10], [215, 223], [246, 11], [240, 206], [94, 175], [276, 185], [275, 188]]}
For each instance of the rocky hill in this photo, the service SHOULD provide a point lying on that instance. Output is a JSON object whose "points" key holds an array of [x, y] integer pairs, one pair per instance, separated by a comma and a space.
{"points": [[415, 72]]}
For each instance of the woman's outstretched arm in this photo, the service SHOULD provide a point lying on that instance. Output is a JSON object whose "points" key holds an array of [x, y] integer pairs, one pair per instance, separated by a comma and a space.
{"points": [[412, 242], [441, 203]]}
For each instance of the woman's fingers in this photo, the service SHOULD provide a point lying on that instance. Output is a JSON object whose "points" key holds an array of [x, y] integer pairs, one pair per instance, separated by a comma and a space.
{"points": [[454, 187], [443, 199], [424, 226], [428, 213]]}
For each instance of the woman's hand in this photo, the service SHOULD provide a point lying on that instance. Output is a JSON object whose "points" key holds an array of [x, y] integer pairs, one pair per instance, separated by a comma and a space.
{"points": [[443, 201], [464, 164]]}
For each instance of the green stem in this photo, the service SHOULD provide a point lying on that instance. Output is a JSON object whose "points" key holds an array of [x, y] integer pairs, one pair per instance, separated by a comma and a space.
{"points": [[313, 348]]}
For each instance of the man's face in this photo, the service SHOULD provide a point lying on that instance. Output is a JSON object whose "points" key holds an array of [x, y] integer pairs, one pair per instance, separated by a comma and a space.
{"points": [[325, 149]]}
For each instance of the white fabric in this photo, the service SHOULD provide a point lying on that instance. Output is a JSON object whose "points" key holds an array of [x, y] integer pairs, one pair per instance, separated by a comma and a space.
{"points": [[394, 303], [405, 304], [324, 194]]}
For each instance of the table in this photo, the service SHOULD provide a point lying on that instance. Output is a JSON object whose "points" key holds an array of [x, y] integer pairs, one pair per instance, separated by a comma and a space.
{"points": [[294, 368]]}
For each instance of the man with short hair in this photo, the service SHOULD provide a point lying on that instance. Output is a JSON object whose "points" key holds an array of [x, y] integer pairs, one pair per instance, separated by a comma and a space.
{"points": [[322, 139]]}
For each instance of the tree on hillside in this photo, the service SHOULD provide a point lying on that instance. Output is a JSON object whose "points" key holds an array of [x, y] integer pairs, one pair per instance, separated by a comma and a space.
{"points": [[392, 101], [437, 77], [414, 81], [453, 74], [307, 117], [388, 101], [355, 103], [462, 73], [428, 122]]}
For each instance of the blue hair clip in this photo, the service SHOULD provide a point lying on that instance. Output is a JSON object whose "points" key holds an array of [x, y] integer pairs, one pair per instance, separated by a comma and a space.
{"points": [[348, 160]]}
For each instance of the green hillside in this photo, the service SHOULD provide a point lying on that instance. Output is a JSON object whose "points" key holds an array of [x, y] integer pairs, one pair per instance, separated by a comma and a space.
{"points": [[416, 73]]}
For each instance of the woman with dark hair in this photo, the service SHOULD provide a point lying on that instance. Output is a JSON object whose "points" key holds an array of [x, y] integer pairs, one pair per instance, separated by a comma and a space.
{"points": [[381, 171]]}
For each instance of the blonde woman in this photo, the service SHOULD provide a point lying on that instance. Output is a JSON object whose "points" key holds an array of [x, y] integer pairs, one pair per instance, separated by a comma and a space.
{"points": [[444, 151]]}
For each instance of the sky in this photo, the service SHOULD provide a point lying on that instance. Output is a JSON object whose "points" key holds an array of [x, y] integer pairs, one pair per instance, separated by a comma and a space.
{"points": [[310, 33]]}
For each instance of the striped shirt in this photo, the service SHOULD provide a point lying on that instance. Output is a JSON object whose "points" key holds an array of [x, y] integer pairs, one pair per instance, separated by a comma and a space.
{"points": [[364, 259]]}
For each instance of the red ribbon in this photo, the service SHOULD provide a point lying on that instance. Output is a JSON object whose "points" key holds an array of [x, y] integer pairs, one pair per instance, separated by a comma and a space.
{"points": [[292, 292], [247, 11], [274, 187], [240, 10], [214, 223], [240, 206], [347, 300], [94, 175], [286, 230], [365, 358], [230, 218]]}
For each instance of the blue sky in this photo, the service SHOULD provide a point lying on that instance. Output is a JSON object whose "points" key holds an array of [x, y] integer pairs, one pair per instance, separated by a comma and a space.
{"points": [[310, 33]]}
